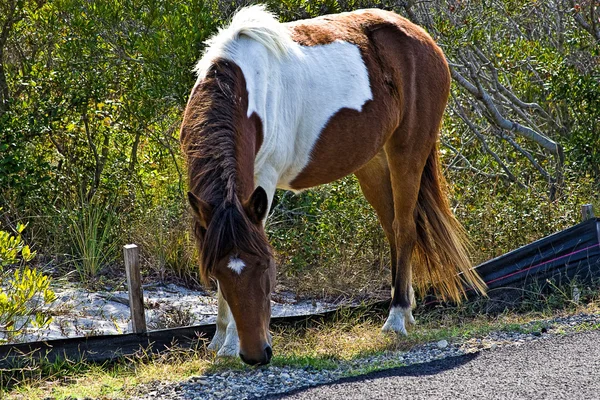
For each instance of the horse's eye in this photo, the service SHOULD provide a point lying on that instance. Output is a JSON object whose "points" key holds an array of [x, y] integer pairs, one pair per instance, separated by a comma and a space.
{"points": [[263, 265]]}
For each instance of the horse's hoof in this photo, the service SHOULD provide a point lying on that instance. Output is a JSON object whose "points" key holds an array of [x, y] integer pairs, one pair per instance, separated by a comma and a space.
{"points": [[229, 351], [231, 347], [390, 327], [214, 346], [216, 343], [396, 320]]}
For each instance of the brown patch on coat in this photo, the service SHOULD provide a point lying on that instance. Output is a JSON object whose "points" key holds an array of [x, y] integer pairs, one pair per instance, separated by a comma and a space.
{"points": [[395, 52], [220, 142]]}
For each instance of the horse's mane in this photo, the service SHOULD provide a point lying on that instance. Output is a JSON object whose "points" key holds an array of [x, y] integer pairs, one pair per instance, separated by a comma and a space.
{"points": [[254, 22], [209, 141]]}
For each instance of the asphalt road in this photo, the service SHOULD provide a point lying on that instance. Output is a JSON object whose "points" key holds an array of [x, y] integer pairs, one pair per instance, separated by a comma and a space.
{"points": [[561, 367]]}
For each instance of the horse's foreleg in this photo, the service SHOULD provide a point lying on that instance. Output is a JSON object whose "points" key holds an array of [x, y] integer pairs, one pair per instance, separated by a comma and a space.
{"points": [[226, 341]]}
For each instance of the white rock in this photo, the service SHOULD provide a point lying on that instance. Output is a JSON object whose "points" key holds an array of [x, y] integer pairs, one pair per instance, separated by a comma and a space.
{"points": [[442, 344]]}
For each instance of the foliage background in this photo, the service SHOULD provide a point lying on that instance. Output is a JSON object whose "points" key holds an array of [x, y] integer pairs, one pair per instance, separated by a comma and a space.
{"points": [[91, 98]]}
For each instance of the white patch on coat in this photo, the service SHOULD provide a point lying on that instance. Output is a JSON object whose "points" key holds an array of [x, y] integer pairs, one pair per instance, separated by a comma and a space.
{"points": [[236, 265], [295, 98], [294, 89]]}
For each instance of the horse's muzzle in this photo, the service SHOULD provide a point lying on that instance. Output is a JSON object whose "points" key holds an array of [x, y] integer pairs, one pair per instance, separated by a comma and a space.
{"points": [[265, 359]]}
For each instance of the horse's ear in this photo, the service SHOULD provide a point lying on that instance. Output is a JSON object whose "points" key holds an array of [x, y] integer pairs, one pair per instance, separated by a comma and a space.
{"points": [[257, 205], [201, 209]]}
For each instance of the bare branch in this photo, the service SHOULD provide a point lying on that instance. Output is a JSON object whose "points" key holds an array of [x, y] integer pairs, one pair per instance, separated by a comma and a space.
{"points": [[482, 95], [58, 146], [469, 166], [461, 113], [527, 154], [578, 16]]}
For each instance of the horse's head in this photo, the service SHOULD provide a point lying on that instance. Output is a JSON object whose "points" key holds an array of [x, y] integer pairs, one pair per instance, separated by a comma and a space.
{"points": [[236, 252]]}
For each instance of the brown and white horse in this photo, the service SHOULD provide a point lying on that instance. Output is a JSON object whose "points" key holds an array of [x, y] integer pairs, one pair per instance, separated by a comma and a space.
{"points": [[301, 104]]}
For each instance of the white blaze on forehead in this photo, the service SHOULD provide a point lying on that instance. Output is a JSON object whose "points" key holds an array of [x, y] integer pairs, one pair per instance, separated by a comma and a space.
{"points": [[236, 265]]}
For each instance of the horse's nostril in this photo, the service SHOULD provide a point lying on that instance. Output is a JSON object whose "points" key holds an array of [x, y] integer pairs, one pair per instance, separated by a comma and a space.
{"points": [[265, 359]]}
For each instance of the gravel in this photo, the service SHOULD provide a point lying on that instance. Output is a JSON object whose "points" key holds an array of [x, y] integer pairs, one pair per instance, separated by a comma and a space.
{"points": [[270, 380]]}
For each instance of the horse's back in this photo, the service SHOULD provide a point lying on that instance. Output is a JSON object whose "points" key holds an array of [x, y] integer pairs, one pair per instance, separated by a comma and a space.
{"points": [[406, 71]]}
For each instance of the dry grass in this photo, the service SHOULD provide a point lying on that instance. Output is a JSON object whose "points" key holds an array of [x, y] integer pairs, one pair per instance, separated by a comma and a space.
{"points": [[343, 340]]}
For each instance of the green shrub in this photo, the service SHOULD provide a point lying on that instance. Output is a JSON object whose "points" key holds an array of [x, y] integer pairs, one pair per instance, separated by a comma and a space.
{"points": [[328, 240], [167, 245], [13, 248], [24, 291]]}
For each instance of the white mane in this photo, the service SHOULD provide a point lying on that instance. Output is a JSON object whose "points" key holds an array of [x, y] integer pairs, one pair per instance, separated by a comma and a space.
{"points": [[254, 22]]}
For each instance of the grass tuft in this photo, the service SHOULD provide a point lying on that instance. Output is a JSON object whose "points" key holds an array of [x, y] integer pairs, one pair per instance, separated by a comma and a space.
{"points": [[91, 230]]}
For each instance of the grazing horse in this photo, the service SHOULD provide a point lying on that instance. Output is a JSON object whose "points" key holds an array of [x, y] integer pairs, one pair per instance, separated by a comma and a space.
{"points": [[296, 105]]}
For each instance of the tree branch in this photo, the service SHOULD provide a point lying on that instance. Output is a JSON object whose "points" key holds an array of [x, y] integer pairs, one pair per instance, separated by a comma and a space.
{"points": [[578, 16], [460, 112], [483, 96], [470, 167]]}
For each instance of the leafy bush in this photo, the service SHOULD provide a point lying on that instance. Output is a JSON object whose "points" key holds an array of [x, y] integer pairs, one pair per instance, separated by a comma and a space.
{"points": [[328, 239], [24, 291], [13, 248], [167, 248]]}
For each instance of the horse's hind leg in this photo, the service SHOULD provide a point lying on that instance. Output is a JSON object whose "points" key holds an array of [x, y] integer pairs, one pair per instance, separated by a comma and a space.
{"points": [[375, 183], [406, 160], [225, 341]]}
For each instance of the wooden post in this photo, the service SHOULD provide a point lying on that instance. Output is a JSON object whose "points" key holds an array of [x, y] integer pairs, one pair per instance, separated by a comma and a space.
{"points": [[134, 284], [587, 212]]}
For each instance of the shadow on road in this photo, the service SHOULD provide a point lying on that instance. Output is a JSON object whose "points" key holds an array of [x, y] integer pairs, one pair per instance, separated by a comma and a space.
{"points": [[429, 368]]}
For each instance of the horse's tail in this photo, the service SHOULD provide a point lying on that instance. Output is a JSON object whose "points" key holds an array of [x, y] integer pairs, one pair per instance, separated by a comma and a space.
{"points": [[442, 257]]}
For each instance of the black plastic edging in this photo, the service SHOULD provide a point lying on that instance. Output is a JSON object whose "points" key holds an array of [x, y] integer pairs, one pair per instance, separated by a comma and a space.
{"points": [[572, 252]]}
